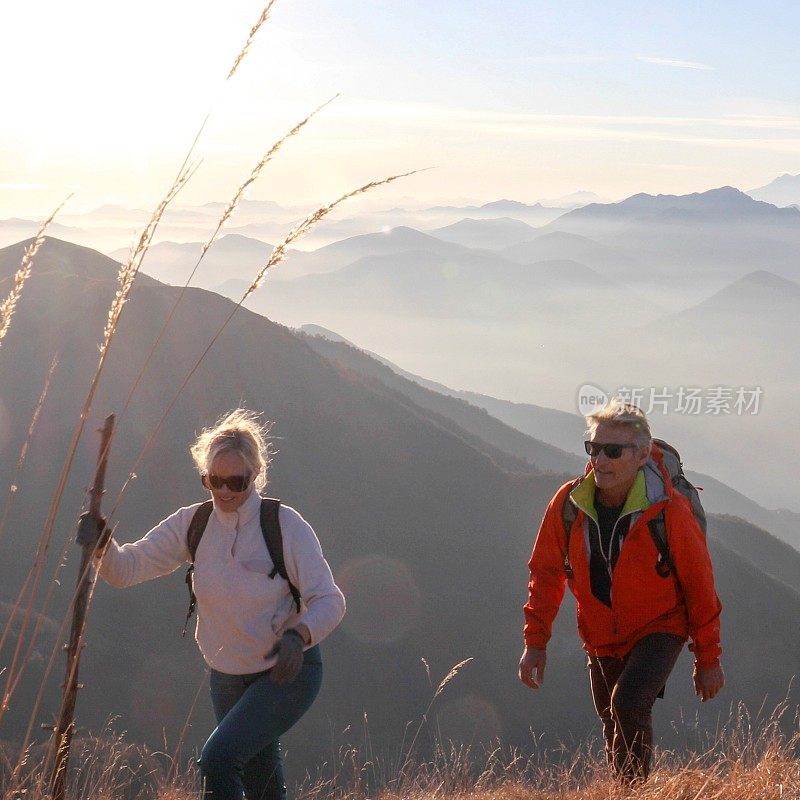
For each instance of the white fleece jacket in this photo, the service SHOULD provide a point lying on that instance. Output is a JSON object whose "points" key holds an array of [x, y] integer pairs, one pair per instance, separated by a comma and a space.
{"points": [[241, 611]]}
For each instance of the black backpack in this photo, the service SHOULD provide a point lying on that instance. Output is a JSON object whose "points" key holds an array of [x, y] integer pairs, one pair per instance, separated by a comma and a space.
{"points": [[273, 538], [657, 525]]}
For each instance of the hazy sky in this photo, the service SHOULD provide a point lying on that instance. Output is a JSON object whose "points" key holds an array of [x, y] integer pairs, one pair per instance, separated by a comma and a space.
{"points": [[516, 99]]}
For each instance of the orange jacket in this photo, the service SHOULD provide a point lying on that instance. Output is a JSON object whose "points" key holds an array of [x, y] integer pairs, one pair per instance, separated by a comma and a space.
{"points": [[684, 603]]}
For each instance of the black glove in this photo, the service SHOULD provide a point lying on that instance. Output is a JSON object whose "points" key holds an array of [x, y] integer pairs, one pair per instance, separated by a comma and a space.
{"points": [[93, 533], [290, 658]]}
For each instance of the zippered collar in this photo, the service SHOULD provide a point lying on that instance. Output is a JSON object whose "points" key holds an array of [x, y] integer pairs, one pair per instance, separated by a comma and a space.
{"points": [[234, 520], [650, 487], [583, 496]]}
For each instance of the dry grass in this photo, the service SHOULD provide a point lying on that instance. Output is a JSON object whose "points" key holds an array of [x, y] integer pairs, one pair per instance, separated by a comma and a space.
{"points": [[104, 768], [128, 272], [253, 31], [23, 453], [126, 277], [746, 762], [229, 211], [253, 177], [9, 305], [279, 253], [276, 257]]}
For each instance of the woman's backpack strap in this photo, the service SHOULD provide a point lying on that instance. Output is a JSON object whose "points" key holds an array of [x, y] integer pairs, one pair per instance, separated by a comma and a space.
{"points": [[197, 527], [273, 538], [195, 533]]}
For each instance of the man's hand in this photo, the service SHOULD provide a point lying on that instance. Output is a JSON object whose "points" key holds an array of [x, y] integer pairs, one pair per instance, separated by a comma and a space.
{"points": [[708, 682], [533, 660], [290, 658]]}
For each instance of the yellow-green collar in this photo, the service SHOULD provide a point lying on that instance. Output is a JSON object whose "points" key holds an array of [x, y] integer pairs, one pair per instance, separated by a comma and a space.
{"points": [[583, 496]]}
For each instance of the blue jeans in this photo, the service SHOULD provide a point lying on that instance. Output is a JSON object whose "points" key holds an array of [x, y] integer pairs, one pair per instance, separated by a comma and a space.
{"points": [[243, 754]]}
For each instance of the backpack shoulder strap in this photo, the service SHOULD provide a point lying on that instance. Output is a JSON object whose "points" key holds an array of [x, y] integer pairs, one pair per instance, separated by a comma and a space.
{"points": [[569, 513], [195, 533], [273, 538], [658, 530], [197, 527]]}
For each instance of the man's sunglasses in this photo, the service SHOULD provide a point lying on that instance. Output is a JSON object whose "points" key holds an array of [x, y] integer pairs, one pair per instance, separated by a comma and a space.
{"points": [[236, 483], [593, 449]]}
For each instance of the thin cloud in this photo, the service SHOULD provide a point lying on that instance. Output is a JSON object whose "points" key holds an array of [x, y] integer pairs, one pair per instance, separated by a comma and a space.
{"points": [[672, 62], [712, 132], [17, 186], [458, 115], [554, 58]]}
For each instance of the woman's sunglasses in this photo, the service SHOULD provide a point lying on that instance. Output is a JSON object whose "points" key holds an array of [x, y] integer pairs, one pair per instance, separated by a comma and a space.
{"points": [[593, 449], [236, 483]]}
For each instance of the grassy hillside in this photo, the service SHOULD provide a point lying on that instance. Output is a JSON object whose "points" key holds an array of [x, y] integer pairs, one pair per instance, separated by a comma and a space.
{"points": [[427, 532]]}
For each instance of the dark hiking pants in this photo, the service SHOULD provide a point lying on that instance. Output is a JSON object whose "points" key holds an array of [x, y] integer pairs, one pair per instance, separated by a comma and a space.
{"points": [[624, 691]]}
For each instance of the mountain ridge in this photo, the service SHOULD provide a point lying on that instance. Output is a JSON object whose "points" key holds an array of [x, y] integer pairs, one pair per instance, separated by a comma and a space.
{"points": [[392, 492]]}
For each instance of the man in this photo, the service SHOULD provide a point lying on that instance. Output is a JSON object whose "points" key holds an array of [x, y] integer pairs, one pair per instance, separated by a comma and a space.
{"points": [[634, 611]]}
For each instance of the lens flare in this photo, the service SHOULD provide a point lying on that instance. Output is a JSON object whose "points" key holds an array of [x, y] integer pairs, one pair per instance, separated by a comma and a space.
{"points": [[383, 599]]}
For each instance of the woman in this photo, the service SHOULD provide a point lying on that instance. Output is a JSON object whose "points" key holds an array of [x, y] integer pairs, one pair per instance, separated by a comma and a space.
{"points": [[260, 644]]}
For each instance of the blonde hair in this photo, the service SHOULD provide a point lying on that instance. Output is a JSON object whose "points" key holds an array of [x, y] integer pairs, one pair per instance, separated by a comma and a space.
{"points": [[627, 415], [240, 431]]}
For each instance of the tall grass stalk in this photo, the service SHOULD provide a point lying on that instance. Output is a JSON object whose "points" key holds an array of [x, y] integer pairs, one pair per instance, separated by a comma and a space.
{"points": [[279, 253], [9, 305], [125, 278], [276, 257], [253, 31], [743, 761], [406, 760], [7, 507], [13, 486], [226, 215], [55, 652], [172, 774]]}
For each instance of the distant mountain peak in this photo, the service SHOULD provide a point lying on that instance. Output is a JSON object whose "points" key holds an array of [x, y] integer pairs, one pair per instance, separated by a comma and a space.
{"points": [[310, 329], [508, 205], [726, 193], [767, 280], [719, 201], [240, 238], [66, 258], [759, 289], [575, 200], [490, 224], [783, 191]]}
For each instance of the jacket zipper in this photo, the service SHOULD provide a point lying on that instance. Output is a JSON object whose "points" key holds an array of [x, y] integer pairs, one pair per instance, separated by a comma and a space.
{"points": [[614, 626]]}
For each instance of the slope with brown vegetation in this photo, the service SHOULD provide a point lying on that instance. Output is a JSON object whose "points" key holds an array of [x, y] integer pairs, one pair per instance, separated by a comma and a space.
{"points": [[747, 761], [400, 498]]}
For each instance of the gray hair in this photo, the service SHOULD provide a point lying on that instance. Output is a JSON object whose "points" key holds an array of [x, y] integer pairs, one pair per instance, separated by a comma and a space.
{"points": [[627, 415], [239, 431]]}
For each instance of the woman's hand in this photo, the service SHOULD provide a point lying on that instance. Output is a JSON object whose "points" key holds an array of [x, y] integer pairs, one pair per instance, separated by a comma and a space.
{"points": [[290, 657], [94, 533]]}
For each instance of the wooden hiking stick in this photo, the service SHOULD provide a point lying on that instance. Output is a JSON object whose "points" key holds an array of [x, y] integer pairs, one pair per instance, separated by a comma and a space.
{"points": [[89, 540]]}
